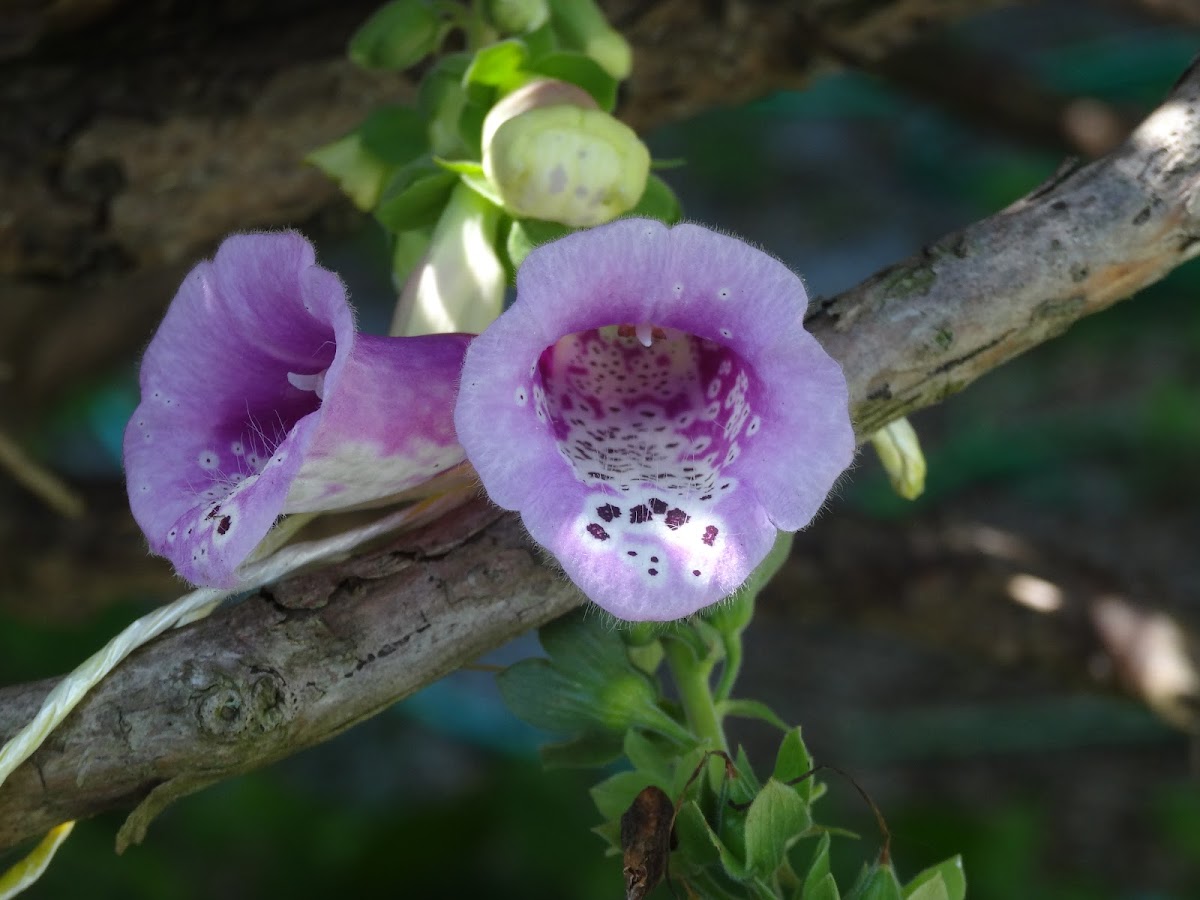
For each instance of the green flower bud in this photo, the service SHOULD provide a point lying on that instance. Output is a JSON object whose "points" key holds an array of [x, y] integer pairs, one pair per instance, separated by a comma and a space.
{"points": [[900, 452], [534, 95], [583, 26], [459, 285], [566, 164], [517, 16]]}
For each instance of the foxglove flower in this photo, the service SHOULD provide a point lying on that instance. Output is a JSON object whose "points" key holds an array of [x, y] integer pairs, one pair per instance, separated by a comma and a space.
{"points": [[654, 408], [259, 399]]}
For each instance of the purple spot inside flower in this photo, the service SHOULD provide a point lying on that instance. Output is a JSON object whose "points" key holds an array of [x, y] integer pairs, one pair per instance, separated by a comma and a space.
{"points": [[652, 571], [677, 518], [658, 506], [223, 525], [608, 512], [597, 531], [640, 514], [710, 535]]}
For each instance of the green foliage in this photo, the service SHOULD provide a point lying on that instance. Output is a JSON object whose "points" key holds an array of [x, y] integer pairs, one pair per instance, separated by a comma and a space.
{"points": [[399, 35], [388, 165], [736, 835]]}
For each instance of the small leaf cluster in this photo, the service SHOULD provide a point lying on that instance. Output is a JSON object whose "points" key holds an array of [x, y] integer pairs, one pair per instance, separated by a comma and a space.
{"points": [[735, 833], [403, 162]]}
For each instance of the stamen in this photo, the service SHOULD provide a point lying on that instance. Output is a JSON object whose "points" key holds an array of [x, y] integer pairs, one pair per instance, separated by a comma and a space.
{"points": [[644, 332], [314, 383]]}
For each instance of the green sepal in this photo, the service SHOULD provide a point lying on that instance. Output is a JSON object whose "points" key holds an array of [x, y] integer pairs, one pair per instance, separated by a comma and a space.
{"points": [[818, 870], [647, 657], [793, 760], [824, 888], [398, 35], [460, 166], [658, 202], [415, 198], [877, 882], [527, 234], [751, 709], [579, 69], [945, 881], [774, 821], [589, 751]]}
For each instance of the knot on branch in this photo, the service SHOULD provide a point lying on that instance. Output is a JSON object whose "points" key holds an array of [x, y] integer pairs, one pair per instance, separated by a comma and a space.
{"points": [[229, 706]]}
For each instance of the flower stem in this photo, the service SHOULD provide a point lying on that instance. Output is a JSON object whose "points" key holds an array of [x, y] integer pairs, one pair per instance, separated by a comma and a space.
{"points": [[731, 667], [695, 693]]}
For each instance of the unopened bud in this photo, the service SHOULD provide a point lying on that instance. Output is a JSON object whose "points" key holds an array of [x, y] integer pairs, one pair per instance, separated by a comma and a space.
{"points": [[517, 16], [568, 164], [900, 452]]}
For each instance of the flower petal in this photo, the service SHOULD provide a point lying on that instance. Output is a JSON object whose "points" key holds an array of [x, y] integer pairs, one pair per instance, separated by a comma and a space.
{"points": [[662, 374], [258, 398]]}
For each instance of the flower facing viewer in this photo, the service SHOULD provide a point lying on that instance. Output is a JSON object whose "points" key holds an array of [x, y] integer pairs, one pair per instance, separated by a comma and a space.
{"points": [[654, 408], [259, 399]]}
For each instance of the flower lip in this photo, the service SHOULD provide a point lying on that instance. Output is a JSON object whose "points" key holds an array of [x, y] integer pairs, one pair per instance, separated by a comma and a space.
{"points": [[657, 474], [259, 399]]}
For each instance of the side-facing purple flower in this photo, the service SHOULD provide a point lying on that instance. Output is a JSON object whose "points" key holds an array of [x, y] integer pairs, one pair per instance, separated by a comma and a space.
{"points": [[259, 399], [654, 408]]}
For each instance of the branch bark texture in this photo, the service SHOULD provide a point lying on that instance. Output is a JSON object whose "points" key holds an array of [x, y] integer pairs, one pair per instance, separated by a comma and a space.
{"points": [[304, 660]]}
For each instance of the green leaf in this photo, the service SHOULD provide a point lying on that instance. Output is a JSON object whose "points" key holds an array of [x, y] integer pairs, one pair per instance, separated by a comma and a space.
{"points": [[697, 842], [933, 889], [945, 881], [500, 65], [879, 882], [417, 203], [649, 755], [659, 202], [441, 101], [395, 134], [589, 751], [588, 684], [579, 69], [824, 888], [793, 760], [751, 709], [776, 818], [746, 785], [527, 234], [614, 795], [538, 693], [359, 173], [461, 166], [483, 188], [700, 845], [818, 869], [399, 34]]}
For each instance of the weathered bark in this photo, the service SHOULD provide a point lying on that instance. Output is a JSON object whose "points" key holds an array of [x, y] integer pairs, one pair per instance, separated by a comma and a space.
{"points": [[304, 660]]}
